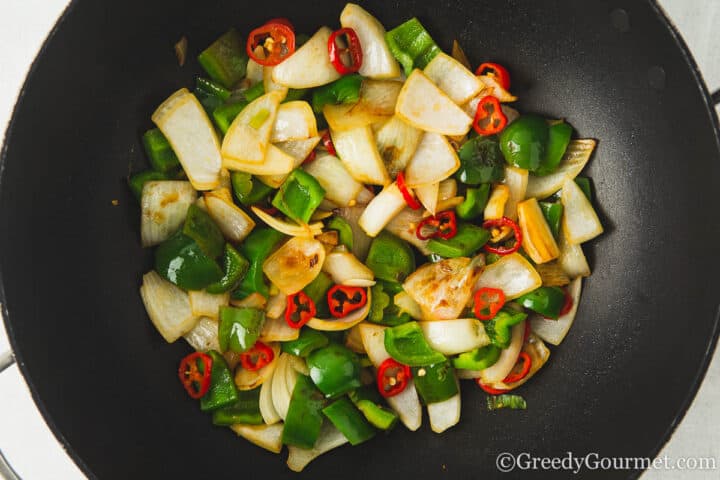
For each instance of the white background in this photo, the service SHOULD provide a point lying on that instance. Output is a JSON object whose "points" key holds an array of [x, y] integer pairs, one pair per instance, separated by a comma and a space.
{"points": [[29, 444]]}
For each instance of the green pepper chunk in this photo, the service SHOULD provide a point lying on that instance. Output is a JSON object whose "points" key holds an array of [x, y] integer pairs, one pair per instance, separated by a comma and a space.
{"points": [[304, 418], [225, 60], [246, 410], [478, 359], [223, 391], [256, 248], [468, 240], [380, 301], [524, 142], [411, 45], [247, 189], [180, 260], [390, 258], [475, 201], [382, 307], [160, 153], [334, 369], [348, 419], [585, 186], [295, 94], [491, 258], [346, 89], [547, 301], [137, 181], [481, 161], [223, 115], [558, 139], [200, 227], [368, 401], [552, 211], [210, 94], [499, 329], [514, 402], [406, 344], [254, 92], [345, 233], [317, 291], [239, 328], [299, 195], [307, 342], [435, 383], [235, 266]]}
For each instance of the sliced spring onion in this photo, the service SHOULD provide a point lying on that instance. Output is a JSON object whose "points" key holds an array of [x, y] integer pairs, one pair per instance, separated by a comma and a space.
{"points": [[295, 264], [204, 336], [381, 210], [576, 156], [434, 161], [234, 223], [340, 187], [205, 304], [580, 223], [346, 269], [329, 438], [514, 402], [247, 139], [268, 437], [287, 227], [508, 357], [512, 274], [309, 66], [554, 331], [397, 142], [451, 337], [358, 151], [453, 78], [445, 414], [163, 206], [294, 121], [167, 306], [516, 180]]}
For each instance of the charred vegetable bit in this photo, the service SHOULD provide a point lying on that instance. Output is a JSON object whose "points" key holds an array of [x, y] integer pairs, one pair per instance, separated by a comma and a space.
{"points": [[343, 300], [513, 402], [300, 309]]}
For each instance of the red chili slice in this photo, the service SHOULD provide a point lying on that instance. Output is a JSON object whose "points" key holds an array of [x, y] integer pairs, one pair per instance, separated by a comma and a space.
{"points": [[407, 196], [257, 357], [392, 378], [327, 142], [497, 71], [353, 49], [311, 156], [282, 21], [487, 302], [300, 309], [514, 376], [567, 306], [442, 225], [489, 117], [489, 389], [277, 40], [343, 299], [194, 373], [499, 223]]}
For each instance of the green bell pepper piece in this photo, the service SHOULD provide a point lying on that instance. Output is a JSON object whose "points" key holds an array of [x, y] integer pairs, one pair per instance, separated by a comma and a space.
{"points": [[345, 233], [348, 419], [411, 45], [304, 418], [380, 301], [223, 391], [248, 190], [547, 301], [382, 306], [468, 240], [160, 153], [406, 344], [343, 90], [211, 95], [307, 342], [499, 329], [239, 328], [585, 186], [317, 291], [558, 139], [254, 92], [553, 214], [481, 161], [225, 60], [524, 142], [202, 228], [491, 258], [180, 260], [514, 402], [435, 383], [390, 258], [223, 115], [256, 248], [476, 199], [299, 195], [245, 411], [294, 94], [137, 181], [235, 267], [368, 401], [334, 369], [478, 359]]}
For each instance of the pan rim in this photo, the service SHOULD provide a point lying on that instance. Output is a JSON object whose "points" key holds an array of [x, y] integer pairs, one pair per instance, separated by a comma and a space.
{"points": [[75, 456]]}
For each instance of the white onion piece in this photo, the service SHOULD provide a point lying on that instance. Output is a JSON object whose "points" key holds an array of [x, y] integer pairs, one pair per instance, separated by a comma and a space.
{"points": [[353, 340], [576, 156], [344, 267], [276, 162], [397, 142], [378, 61], [295, 264], [373, 340], [381, 210], [329, 438], [204, 336], [406, 304], [204, 304], [361, 241], [277, 330], [364, 196], [572, 259], [516, 180], [167, 306], [294, 121], [423, 105], [254, 71], [495, 207], [249, 379], [254, 300], [512, 274], [276, 306], [280, 392], [234, 223], [299, 150], [493, 87], [269, 85], [192, 137], [267, 408], [451, 337], [309, 66], [428, 196], [288, 228], [445, 414], [508, 357], [340, 187], [580, 223], [376, 104], [554, 331], [404, 225], [268, 437], [344, 323], [163, 205], [451, 76], [447, 189], [434, 161], [246, 142], [358, 151]]}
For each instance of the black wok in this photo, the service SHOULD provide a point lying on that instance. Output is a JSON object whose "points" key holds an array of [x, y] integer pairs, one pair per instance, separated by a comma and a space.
{"points": [[71, 261]]}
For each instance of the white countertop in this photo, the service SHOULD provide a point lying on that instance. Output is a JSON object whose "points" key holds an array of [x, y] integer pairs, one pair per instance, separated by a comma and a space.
{"points": [[25, 438]]}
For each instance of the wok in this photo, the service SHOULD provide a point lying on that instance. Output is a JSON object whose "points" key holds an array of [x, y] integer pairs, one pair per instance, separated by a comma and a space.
{"points": [[71, 261]]}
